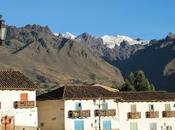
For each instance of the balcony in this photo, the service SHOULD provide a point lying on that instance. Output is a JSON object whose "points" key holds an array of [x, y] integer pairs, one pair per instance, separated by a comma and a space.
{"points": [[24, 104], [152, 114], [134, 115], [168, 114], [109, 112], [79, 113]]}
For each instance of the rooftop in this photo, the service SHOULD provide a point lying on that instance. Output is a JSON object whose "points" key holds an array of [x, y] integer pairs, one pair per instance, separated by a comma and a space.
{"points": [[93, 92], [15, 80]]}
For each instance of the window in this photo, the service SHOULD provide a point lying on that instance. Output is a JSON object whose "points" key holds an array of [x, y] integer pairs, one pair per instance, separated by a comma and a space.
{"points": [[153, 126], [24, 97], [78, 106], [133, 126], [104, 106], [133, 108], [151, 107], [167, 107]]}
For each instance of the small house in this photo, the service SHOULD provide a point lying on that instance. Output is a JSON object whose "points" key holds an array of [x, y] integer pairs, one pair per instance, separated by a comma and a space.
{"points": [[18, 109]]}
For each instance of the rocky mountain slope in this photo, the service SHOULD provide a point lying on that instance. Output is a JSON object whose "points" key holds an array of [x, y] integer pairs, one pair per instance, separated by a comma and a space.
{"points": [[169, 68], [123, 48], [53, 60], [156, 58]]}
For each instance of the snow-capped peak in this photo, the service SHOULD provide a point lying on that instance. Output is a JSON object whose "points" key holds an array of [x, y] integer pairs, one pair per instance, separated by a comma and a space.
{"points": [[66, 35], [111, 41]]}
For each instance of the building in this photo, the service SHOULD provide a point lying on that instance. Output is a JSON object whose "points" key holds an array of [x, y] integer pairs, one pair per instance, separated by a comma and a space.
{"points": [[97, 108], [18, 109]]}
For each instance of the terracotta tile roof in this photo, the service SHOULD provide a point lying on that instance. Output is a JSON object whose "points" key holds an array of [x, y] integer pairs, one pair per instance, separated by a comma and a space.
{"points": [[87, 92], [14, 80], [76, 92], [91, 92], [146, 96]]}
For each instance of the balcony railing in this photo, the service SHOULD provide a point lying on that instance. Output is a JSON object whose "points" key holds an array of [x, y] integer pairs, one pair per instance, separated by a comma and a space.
{"points": [[109, 112], [134, 115], [24, 104], [79, 113], [152, 114], [168, 114]]}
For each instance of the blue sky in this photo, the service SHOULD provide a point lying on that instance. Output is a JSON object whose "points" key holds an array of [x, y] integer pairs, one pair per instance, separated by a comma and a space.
{"points": [[145, 19]]}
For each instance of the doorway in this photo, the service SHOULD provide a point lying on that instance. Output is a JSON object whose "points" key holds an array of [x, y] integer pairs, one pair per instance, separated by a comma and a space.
{"points": [[7, 122], [79, 124], [106, 125]]}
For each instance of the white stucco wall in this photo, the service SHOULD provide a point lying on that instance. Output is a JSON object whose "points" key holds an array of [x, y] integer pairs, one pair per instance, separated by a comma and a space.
{"points": [[143, 122], [89, 123], [120, 120], [23, 117]]}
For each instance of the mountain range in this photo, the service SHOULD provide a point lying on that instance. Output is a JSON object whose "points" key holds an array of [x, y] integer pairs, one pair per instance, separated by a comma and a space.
{"points": [[156, 58], [52, 59]]}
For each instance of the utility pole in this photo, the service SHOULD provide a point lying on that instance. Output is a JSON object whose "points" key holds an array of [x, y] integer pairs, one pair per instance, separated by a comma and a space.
{"points": [[99, 116]]}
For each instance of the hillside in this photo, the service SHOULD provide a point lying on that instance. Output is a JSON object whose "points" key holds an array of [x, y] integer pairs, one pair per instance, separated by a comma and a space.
{"points": [[52, 60]]}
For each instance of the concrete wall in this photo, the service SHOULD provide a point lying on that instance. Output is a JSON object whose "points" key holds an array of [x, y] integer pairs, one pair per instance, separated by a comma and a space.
{"points": [[51, 114]]}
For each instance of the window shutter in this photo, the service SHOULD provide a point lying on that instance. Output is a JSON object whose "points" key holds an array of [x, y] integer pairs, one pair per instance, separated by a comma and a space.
{"points": [[24, 97], [133, 108], [104, 106], [151, 107], [167, 107], [133, 126], [78, 106], [153, 126]]}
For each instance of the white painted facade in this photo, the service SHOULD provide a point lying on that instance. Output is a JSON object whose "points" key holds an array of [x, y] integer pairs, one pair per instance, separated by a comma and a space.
{"points": [[90, 123], [22, 117], [144, 123], [120, 121]]}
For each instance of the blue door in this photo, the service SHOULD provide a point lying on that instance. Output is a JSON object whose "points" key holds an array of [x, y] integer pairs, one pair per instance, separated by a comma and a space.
{"points": [[79, 124], [107, 125]]}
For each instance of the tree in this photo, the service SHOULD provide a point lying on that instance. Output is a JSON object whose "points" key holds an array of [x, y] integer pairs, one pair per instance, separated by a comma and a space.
{"points": [[137, 81]]}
